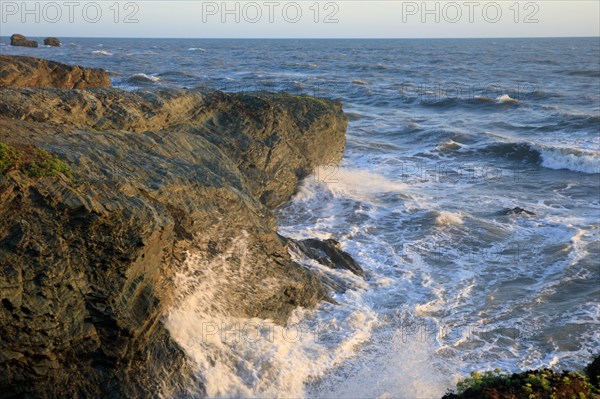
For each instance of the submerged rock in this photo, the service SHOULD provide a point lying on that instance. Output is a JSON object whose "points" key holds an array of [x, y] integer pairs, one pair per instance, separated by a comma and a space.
{"points": [[516, 211], [19, 71], [22, 41], [89, 257], [52, 41]]}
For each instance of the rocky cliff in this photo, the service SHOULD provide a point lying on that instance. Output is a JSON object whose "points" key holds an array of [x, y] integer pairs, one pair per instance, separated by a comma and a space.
{"points": [[105, 193]]}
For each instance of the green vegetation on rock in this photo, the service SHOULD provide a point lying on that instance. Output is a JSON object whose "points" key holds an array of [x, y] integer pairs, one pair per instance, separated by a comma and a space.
{"points": [[32, 161], [533, 384], [8, 158]]}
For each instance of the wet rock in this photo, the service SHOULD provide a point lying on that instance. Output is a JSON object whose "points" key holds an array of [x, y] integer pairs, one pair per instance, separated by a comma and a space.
{"points": [[329, 253], [516, 211], [22, 41], [593, 372], [52, 41], [19, 72]]}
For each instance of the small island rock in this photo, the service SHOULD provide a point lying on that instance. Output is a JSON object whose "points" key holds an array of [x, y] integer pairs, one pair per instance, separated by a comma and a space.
{"points": [[52, 41], [20, 40]]}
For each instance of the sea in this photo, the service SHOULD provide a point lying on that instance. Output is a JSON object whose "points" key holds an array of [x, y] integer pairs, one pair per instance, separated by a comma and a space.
{"points": [[445, 139]]}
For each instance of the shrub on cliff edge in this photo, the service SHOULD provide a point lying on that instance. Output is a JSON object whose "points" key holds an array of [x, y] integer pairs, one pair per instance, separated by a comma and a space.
{"points": [[532, 384]]}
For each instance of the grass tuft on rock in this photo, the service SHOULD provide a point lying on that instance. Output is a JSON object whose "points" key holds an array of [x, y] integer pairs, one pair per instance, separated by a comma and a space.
{"points": [[32, 161]]}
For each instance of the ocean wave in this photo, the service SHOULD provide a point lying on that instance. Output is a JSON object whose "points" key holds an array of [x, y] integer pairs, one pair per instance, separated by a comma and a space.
{"points": [[572, 121], [505, 98], [446, 218], [103, 52], [449, 147], [502, 99], [591, 73], [143, 78], [173, 73], [432, 99], [551, 157], [196, 49], [541, 94], [574, 160]]}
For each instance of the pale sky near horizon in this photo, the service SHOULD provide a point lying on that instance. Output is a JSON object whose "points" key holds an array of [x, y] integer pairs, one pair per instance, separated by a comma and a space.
{"points": [[301, 18]]}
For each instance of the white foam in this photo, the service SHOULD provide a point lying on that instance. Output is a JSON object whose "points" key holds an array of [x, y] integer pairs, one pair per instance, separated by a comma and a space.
{"points": [[196, 49], [505, 98], [445, 218], [143, 76], [237, 357], [103, 52], [576, 161], [358, 184], [400, 366]]}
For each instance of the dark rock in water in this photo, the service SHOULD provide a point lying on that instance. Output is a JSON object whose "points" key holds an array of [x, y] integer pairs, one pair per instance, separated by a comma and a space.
{"points": [[88, 262], [52, 41], [22, 41], [328, 253], [18, 71], [516, 211]]}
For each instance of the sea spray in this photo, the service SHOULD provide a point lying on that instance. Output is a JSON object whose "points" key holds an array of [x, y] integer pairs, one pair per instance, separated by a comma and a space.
{"points": [[251, 357]]}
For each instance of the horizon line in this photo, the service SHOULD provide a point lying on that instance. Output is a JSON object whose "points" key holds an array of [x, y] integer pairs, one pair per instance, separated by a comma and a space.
{"points": [[315, 38]]}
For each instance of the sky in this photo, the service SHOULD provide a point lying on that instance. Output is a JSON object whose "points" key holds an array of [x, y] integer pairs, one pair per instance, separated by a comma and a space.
{"points": [[301, 18]]}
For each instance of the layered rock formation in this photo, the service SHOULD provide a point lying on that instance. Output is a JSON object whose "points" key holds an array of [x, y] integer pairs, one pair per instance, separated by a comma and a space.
{"points": [[17, 71], [52, 41], [22, 41], [88, 257]]}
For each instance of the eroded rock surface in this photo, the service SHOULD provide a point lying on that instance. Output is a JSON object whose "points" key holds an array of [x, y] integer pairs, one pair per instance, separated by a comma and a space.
{"points": [[19, 71], [88, 261]]}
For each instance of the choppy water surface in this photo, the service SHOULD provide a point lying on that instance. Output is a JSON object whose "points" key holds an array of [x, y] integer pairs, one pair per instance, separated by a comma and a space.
{"points": [[443, 135]]}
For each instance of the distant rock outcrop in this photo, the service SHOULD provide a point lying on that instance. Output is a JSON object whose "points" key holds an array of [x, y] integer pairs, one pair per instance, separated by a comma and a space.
{"points": [[18, 71], [127, 187], [20, 40], [52, 41]]}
